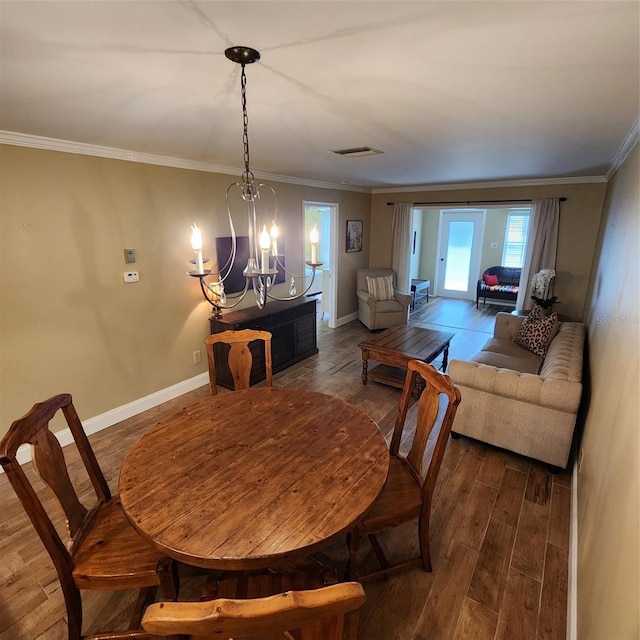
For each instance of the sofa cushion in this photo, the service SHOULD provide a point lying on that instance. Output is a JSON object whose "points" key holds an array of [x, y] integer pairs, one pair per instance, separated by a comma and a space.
{"points": [[536, 331], [490, 279], [381, 288], [500, 288], [389, 306], [507, 355]]}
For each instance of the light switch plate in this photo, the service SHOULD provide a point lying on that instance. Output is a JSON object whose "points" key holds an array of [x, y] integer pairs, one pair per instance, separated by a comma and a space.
{"points": [[129, 255]]}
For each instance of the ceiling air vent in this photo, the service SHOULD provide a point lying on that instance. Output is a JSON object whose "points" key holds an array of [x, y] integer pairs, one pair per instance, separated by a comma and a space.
{"points": [[356, 152]]}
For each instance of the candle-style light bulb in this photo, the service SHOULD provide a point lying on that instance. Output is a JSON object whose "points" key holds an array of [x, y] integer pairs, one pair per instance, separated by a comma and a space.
{"points": [[274, 238], [196, 245], [314, 236], [265, 243]]}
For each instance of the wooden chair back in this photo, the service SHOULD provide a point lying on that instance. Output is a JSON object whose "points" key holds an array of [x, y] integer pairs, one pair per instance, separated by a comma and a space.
{"points": [[328, 613], [434, 383], [239, 358], [408, 491], [92, 532], [50, 465]]}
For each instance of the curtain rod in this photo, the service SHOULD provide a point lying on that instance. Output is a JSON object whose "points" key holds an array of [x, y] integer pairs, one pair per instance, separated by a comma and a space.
{"points": [[468, 203]]}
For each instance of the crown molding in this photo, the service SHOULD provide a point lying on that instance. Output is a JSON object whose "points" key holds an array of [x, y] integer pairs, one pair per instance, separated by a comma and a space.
{"points": [[625, 149], [68, 146], [454, 186]]}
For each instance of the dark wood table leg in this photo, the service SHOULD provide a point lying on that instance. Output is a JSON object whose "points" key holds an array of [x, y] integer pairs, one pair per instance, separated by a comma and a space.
{"points": [[445, 358], [365, 367]]}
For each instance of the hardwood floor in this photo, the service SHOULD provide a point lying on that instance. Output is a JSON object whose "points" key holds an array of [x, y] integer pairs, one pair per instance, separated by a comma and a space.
{"points": [[499, 529]]}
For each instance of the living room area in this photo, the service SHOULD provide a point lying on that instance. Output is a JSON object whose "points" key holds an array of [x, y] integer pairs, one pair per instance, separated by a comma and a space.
{"points": [[110, 152]]}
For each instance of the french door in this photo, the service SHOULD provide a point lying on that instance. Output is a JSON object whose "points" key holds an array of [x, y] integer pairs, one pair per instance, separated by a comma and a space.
{"points": [[459, 252]]}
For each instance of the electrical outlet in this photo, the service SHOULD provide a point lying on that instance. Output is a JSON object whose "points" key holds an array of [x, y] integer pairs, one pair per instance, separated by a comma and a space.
{"points": [[131, 276], [197, 357]]}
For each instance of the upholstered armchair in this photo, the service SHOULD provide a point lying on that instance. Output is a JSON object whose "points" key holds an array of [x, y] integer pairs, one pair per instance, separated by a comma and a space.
{"points": [[380, 306]]}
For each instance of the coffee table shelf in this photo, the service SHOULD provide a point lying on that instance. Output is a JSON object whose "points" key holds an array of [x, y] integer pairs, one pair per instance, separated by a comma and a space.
{"points": [[394, 347]]}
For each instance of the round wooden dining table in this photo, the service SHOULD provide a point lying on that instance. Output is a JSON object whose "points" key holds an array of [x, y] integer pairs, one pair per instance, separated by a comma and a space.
{"points": [[249, 479]]}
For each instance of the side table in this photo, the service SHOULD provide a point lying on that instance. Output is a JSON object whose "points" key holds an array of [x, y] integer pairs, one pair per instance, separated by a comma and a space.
{"points": [[419, 288]]}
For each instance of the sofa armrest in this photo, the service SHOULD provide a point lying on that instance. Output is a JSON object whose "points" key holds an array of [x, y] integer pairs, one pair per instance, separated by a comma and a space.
{"points": [[507, 325], [562, 395]]}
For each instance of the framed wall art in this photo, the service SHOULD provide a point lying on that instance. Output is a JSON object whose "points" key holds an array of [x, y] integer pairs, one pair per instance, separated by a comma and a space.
{"points": [[354, 235]]}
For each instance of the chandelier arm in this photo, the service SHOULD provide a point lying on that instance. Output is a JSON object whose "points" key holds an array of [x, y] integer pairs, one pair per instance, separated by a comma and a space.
{"points": [[296, 275], [207, 289], [275, 198], [207, 292], [298, 295], [232, 256]]}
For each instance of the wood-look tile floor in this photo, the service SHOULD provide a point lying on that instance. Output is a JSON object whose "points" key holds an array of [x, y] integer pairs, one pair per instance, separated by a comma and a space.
{"points": [[499, 526]]}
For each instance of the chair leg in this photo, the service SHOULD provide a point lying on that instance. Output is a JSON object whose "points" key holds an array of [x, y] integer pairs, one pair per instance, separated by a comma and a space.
{"points": [[377, 549], [353, 542], [423, 533], [169, 580], [73, 604], [145, 598]]}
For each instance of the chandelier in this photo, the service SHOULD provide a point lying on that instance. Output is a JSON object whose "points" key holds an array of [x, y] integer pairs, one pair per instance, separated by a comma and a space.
{"points": [[264, 261]]}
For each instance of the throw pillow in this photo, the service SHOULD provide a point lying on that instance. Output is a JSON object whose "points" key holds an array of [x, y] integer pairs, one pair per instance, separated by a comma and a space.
{"points": [[381, 288], [489, 280], [536, 330]]}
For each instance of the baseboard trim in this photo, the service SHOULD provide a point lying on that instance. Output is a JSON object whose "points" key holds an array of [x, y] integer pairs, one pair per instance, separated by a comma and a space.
{"points": [[346, 319], [572, 587], [109, 418]]}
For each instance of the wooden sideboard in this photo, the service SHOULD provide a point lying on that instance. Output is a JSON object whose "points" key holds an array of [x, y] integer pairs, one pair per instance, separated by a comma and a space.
{"points": [[292, 325]]}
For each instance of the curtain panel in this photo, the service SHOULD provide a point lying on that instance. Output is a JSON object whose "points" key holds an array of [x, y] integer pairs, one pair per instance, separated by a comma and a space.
{"points": [[401, 247], [542, 244]]}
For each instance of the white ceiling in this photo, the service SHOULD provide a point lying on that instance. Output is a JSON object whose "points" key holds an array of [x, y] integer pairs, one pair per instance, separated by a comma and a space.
{"points": [[449, 91]]}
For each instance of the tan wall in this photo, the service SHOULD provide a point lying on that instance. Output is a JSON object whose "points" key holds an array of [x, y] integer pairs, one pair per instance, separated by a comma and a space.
{"points": [[609, 478], [579, 220], [67, 320]]}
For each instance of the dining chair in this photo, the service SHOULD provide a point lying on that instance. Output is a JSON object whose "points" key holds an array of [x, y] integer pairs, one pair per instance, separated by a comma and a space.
{"points": [[407, 492], [239, 358], [327, 613], [102, 551]]}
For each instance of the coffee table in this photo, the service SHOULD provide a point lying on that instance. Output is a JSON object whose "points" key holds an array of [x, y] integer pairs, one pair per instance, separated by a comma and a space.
{"points": [[394, 347]]}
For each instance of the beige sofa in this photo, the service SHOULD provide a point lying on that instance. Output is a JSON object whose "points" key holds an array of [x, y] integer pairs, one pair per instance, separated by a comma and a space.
{"points": [[380, 314], [513, 399]]}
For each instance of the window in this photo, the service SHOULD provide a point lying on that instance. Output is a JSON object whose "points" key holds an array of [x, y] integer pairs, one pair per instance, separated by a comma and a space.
{"points": [[515, 237]]}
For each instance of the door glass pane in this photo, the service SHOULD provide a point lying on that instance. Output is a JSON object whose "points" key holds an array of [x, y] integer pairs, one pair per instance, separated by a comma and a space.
{"points": [[456, 277]]}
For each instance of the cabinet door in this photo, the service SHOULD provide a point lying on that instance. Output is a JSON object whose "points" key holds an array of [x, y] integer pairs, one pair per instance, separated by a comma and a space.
{"points": [[305, 334], [282, 345]]}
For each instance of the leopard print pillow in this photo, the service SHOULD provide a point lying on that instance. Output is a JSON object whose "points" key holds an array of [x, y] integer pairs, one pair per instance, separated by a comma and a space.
{"points": [[536, 331]]}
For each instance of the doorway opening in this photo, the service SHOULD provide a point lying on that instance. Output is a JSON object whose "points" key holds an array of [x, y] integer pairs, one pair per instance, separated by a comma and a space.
{"points": [[325, 216]]}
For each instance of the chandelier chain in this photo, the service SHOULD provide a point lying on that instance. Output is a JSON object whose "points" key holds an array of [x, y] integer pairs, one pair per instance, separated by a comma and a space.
{"points": [[248, 175]]}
